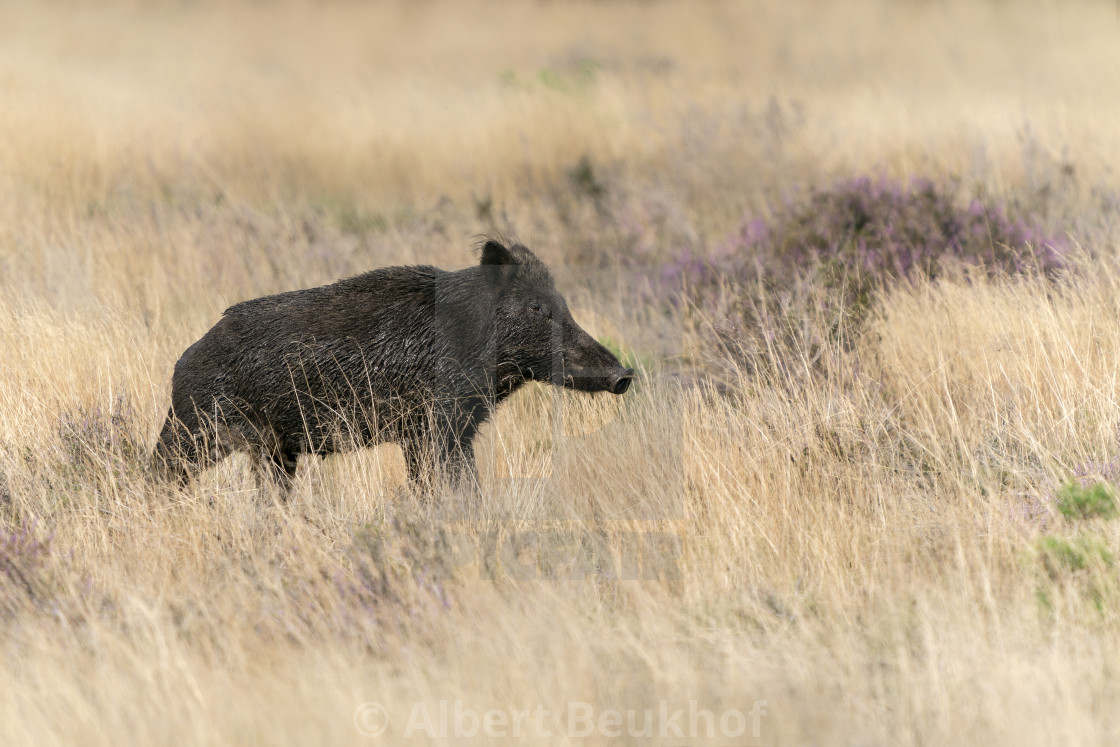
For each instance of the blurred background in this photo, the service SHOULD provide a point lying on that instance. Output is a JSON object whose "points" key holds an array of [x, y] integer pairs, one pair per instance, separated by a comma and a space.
{"points": [[388, 131]]}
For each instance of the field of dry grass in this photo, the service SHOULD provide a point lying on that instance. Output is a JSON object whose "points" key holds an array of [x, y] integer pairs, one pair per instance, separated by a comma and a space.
{"points": [[852, 544]]}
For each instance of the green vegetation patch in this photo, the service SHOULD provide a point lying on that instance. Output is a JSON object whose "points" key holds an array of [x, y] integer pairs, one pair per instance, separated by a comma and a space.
{"points": [[1076, 501]]}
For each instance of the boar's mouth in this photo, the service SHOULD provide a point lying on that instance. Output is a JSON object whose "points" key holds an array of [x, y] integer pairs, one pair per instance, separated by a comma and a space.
{"points": [[615, 379]]}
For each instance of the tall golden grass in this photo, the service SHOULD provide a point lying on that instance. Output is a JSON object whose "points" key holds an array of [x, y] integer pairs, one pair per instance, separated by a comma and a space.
{"points": [[873, 550]]}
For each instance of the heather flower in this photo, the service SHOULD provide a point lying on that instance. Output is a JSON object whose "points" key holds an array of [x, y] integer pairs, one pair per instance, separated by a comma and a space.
{"points": [[861, 234], [23, 558], [95, 440]]}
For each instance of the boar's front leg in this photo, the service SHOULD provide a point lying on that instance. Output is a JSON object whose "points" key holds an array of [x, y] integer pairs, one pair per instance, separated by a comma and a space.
{"points": [[458, 456], [446, 453]]}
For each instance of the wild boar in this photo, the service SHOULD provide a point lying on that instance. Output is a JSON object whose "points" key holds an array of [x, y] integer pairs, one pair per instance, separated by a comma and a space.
{"points": [[413, 355]]}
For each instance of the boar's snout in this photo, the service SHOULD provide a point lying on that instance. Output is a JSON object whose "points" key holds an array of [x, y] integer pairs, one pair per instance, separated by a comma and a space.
{"points": [[587, 365], [614, 379], [622, 382]]}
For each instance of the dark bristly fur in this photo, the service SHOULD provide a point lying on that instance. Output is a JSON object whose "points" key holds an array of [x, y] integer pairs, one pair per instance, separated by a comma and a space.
{"points": [[413, 355]]}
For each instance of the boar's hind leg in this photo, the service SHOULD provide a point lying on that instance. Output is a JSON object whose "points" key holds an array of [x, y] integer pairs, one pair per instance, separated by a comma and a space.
{"points": [[176, 455], [185, 447], [282, 469], [278, 465], [190, 443]]}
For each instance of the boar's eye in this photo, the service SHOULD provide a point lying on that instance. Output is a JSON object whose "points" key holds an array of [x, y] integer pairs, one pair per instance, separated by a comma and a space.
{"points": [[538, 308]]}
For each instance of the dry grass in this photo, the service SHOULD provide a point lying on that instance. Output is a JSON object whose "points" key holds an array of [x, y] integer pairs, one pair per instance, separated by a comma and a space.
{"points": [[867, 543]]}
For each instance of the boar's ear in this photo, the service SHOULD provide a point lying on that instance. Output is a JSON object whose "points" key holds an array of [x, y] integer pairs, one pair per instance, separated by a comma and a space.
{"points": [[499, 265], [495, 253]]}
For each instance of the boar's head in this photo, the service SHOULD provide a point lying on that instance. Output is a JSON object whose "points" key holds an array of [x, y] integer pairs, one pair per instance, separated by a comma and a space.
{"points": [[536, 337]]}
